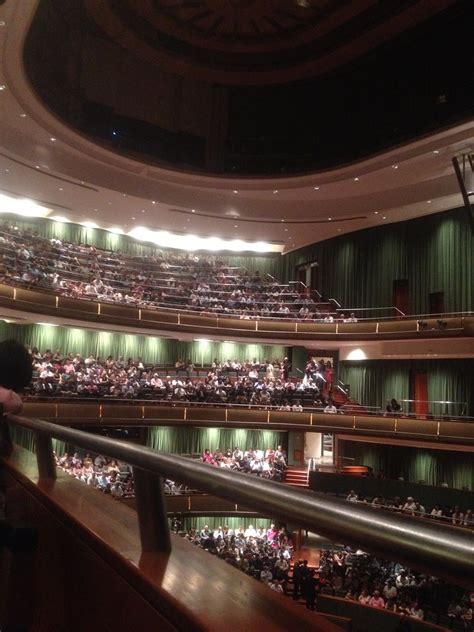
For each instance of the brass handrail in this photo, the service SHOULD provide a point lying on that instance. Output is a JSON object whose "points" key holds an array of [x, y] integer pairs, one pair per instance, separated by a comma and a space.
{"points": [[433, 548]]}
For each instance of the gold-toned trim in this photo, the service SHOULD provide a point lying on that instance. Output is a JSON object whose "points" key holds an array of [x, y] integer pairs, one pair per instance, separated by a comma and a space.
{"points": [[377, 327], [226, 414], [268, 416], [14, 293], [98, 309], [57, 302], [139, 313], [310, 419], [296, 328], [185, 415], [337, 328]]}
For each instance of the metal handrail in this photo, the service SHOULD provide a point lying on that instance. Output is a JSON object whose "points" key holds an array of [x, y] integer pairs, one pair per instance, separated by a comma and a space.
{"points": [[430, 547]]}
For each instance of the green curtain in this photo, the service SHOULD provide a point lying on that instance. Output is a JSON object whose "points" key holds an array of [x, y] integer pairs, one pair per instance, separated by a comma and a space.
{"points": [[149, 348], [213, 522], [25, 438], [74, 233], [434, 253], [414, 464], [372, 383], [451, 381], [179, 440]]}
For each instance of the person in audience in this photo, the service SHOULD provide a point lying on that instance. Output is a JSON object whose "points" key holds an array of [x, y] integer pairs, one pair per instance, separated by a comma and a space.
{"points": [[376, 601]]}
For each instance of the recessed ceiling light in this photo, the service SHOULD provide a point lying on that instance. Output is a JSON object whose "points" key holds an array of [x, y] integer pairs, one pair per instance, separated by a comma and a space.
{"points": [[134, 218], [282, 220], [329, 219], [316, 188], [153, 202], [143, 210], [37, 166], [235, 191], [82, 181], [61, 189], [286, 230], [394, 166], [23, 115], [429, 201], [2, 22], [188, 220], [376, 212], [124, 195], [356, 179], [52, 139], [236, 226], [193, 210], [3, 86], [384, 217], [7, 170], [276, 191], [436, 151]]}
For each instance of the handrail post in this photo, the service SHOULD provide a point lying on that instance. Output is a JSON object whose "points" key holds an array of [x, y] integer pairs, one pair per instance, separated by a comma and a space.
{"points": [[151, 510], [44, 455]]}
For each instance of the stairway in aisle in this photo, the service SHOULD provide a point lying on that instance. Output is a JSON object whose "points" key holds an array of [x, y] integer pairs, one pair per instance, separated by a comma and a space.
{"points": [[296, 476]]}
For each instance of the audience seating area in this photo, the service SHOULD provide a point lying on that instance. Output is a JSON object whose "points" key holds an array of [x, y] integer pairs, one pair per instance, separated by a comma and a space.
{"points": [[232, 382], [197, 283]]}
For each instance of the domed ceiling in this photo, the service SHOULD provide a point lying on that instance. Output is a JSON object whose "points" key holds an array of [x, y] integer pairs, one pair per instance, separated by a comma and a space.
{"points": [[255, 41], [252, 87]]}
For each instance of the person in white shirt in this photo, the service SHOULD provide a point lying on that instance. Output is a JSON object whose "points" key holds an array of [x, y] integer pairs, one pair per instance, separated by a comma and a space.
{"points": [[250, 532], [410, 505], [276, 586], [330, 408]]}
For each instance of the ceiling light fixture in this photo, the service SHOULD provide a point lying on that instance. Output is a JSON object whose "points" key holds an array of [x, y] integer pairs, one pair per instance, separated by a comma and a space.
{"points": [[316, 188], [3, 87], [193, 210], [429, 201], [235, 191], [52, 139], [436, 151], [23, 115], [356, 179], [329, 219], [384, 217], [276, 191], [394, 166], [153, 202], [376, 212]]}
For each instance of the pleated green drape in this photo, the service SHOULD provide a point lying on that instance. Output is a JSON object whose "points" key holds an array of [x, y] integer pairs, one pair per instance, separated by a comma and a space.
{"points": [[179, 440], [373, 382], [74, 233], [414, 464], [149, 348], [213, 522], [25, 438], [434, 253], [451, 381]]}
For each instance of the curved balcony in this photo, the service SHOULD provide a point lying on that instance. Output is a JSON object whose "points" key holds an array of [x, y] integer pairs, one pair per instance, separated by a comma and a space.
{"points": [[459, 431], [182, 321]]}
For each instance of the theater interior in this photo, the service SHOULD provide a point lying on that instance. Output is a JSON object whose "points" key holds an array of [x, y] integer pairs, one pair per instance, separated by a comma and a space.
{"points": [[236, 240]]}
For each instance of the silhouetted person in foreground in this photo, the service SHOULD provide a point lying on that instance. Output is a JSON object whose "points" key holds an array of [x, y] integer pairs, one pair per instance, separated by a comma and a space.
{"points": [[16, 371]]}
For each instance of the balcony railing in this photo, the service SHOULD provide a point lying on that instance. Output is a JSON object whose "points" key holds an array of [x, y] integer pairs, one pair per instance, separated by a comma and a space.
{"points": [[429, 547]]}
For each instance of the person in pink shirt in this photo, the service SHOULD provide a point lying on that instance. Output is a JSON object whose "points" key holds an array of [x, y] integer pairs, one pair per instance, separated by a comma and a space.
{"points": [[376, 601], [271, 533]]}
